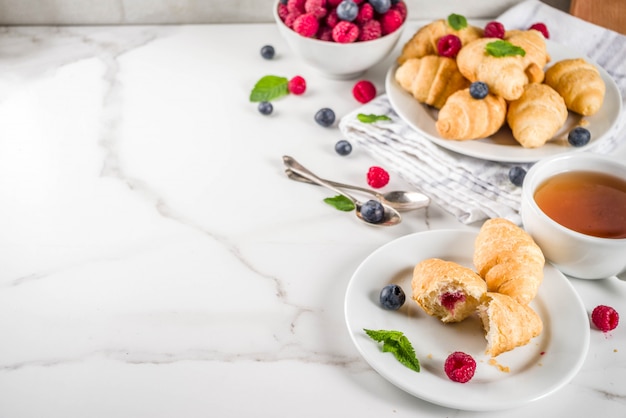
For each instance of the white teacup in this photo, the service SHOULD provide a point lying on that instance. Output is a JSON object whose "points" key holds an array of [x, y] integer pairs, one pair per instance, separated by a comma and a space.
{"points": [[574, 253]]}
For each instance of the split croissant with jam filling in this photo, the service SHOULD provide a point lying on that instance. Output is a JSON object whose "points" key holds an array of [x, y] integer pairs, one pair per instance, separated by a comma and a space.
{"points": [[509, 260], [446, 290]]}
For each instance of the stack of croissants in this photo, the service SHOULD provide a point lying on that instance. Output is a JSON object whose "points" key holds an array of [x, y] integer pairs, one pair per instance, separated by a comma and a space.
{"points": [[532, 100], [508, 272]]}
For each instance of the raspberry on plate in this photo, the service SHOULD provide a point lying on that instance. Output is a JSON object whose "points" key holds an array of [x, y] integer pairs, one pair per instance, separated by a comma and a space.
{"points": [[460, 367], [494, 29], [449, 46], [377, 177], [364, 91], [297, 85], [541, 27], [605, 318]]}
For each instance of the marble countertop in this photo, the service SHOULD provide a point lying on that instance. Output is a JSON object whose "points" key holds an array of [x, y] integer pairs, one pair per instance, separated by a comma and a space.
{"points": [[155, 261]]}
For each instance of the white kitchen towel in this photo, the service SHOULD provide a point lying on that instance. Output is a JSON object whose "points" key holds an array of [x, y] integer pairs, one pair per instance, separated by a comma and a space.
{"points": [[473, 189]]}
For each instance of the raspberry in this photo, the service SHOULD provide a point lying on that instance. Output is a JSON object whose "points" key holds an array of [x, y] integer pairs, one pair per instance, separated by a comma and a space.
{"points": [[364, 91], [297, 85], [391, 21], [332, 19], [494, 30], [334, 3], [460, 367], [401, 8], [345, 32], [296, 6], [605, 318], [449, 46], [306, 25], [325, 34], [282, 11], [316, 7], [366, 13], [371, 30], [377, 177], [541, 28]]}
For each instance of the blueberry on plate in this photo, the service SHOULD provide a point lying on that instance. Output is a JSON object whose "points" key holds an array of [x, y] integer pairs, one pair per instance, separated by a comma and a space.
{"points": [[267, 52], [343, 147], [372, 211], [325, 117], [478, 90], [266, 108], [392, 297], [516, 175], [578, 136]]}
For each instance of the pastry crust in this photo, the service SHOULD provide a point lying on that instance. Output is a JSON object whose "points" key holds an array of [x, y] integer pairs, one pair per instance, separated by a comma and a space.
{"points": [[424, 41], [507, 323], [537, 115], [431, 79], [580, 84], [536, 56], [446, 290], [509, 260], [464, 118]]}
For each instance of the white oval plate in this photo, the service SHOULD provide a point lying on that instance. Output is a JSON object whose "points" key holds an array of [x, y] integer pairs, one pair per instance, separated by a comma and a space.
{"points": [[502, 146], [536, 370]]}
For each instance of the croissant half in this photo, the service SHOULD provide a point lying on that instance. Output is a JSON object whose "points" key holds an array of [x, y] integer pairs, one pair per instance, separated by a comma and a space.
{"points": [[580, 84], [463, 117], [537, 115], [431, 79]]}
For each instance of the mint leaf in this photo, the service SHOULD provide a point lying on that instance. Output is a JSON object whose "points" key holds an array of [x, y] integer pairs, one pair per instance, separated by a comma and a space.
{"points": [[340, 202], [268, 88], [502, 48], [396, 343], [457, 22], [371, 118]]}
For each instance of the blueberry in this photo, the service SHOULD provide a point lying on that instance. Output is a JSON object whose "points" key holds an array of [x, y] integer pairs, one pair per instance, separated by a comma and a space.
{"points": [[392, 297], [479, 90], [343, 147], [347, 10], [325, 117], [284, 2], [267, 52], [516, 175], [266, 108], [579, 136], [372, 211], [381, 6]]}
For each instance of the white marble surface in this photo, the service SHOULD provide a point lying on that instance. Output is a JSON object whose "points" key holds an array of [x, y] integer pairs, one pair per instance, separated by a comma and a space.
{"points": [[155, 262]]}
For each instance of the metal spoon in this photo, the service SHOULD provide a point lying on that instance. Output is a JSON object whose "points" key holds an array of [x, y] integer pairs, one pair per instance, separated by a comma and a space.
{"points": [[397, 199], [390, 216]]}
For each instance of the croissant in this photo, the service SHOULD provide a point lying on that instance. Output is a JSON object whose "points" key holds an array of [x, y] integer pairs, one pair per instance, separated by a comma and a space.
{"points": [[507, 323], [508, 259], [431, 79], [537, 115], [446, 290], [462, 117], [506, 76], [580, 84], [534, 46], [424, 41]]}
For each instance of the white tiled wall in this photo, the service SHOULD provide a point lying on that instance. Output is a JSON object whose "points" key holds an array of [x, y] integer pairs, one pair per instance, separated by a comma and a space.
{"points": [[89, 12]]}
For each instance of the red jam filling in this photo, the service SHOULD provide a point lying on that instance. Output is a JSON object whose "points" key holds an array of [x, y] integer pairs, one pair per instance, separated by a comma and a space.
{"points": [[449, 300]]}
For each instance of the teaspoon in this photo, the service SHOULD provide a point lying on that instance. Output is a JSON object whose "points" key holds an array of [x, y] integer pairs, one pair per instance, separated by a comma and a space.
{"points": [[390, 216], [397, 199]]}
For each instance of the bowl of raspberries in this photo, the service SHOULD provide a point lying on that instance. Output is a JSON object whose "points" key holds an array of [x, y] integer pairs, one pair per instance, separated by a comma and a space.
{"points": [[341, 38]]}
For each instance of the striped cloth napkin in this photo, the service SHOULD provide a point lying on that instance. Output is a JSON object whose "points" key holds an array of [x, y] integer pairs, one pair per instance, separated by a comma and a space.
{"points": [[469, 188]]}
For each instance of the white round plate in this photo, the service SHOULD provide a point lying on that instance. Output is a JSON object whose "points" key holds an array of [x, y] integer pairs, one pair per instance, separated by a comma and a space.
{"points": [[502, 146], [536, 370]]}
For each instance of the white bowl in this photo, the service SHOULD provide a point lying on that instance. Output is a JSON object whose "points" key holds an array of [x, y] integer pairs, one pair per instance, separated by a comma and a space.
{"points": [[337, 60], [575, 254]]}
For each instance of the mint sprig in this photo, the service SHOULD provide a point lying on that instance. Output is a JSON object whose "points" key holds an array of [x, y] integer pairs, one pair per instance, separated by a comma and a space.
{"points": [[268, 88], [502, 48], [371, 118], [398, 344], [340, 202], [457, 22]]}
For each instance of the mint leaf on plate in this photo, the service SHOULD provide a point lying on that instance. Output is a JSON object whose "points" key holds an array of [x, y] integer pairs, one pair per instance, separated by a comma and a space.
{"points": [[502, 48], [398, 344], [268, 88], [371, 118], [340, 202], [457, 22]]}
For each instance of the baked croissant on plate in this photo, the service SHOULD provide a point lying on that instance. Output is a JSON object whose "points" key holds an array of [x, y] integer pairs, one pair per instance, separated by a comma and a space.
{"points": [[506, 76], [507, 323], [580, 84], [462, 117], [537, 115], [424, 41], [508, 259], [536, 52], [446, 290], [430, 79]]}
